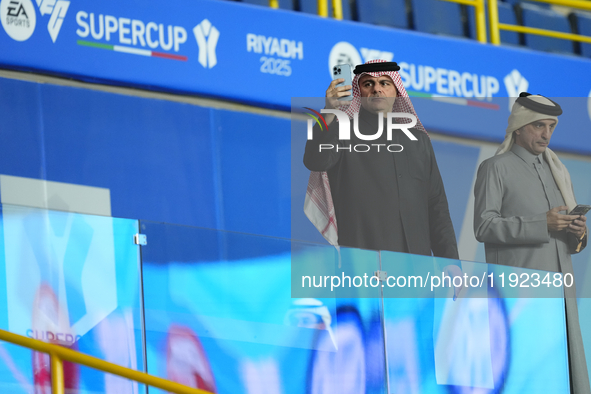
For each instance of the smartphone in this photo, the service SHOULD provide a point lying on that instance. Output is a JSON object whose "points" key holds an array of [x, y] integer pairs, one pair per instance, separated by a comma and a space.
{"points": [[343, 71], [580, 210]]}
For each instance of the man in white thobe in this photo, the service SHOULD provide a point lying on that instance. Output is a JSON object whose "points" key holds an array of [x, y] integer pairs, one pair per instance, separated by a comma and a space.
{"points": [[522, 195]]}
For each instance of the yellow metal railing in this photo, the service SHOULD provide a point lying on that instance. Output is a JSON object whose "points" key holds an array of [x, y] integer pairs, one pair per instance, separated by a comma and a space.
{"points": [[479, 8], [59, 354], [337, 8], [495, 26]]}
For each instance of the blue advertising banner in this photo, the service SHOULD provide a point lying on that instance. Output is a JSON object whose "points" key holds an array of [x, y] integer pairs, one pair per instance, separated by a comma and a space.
{"points": [[213, 48]]}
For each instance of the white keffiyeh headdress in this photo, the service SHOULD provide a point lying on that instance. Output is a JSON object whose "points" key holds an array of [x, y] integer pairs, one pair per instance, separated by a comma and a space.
{"points": [[530, 108], [318, 205]]}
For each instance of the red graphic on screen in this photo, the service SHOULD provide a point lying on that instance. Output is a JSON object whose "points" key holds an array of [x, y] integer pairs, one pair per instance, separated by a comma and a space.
{"points": [[186, 361], [47, 327]]}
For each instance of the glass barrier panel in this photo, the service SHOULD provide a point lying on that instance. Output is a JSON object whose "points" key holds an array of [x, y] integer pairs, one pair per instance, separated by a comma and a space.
{"points": [[231, 312], [221, 316], [344, 275], [494, 337], [107, 383], [74, 280], [16, 370]]}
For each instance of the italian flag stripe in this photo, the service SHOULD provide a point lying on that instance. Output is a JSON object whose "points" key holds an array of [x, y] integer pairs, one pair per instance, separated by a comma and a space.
{"points": [[169, 56], [95, 44], [131, 50]]}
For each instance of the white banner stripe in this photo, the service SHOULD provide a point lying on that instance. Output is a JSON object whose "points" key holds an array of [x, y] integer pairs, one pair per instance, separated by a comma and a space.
{"points": [[135, 51], [450, 100]]}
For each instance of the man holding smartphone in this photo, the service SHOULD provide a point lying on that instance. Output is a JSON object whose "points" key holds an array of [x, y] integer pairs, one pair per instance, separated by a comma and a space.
{"points": [[383, 199], [522, 197]]}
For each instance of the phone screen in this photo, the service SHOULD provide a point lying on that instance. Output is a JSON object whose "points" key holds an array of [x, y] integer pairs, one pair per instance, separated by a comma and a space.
{"points": [[580, 210]]}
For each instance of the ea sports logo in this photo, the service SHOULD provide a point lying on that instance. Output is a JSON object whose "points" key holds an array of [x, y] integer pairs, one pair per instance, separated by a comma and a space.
{"points": [[18, 18], [343, 53]]}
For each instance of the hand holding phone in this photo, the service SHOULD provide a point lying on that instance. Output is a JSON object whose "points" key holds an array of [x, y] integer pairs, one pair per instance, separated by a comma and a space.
{"points": [[578, 226], [343, 71]]}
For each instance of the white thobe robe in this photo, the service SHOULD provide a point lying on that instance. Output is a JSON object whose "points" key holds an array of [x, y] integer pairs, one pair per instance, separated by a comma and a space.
{"points": [[513, 192]]}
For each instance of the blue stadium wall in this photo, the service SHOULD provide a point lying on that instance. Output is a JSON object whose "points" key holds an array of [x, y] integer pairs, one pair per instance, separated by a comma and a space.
{"points": [[201, 166], [229, 170], [161, 160]]}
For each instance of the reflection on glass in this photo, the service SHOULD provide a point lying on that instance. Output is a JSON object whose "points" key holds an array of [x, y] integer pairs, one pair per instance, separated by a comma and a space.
{"points": [[230, 295], [222, 315], [186, 361], [73, 280]]}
